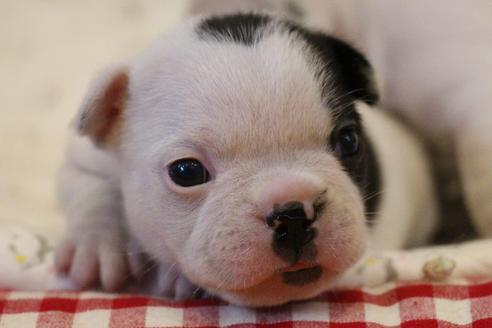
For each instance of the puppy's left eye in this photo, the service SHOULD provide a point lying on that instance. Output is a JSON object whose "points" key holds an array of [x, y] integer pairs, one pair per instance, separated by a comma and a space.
{"points": [[347, 143], [188, 172]]}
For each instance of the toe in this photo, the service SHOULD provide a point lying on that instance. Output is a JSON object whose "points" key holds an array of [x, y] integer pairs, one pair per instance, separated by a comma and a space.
{"points": [[63, 256], [185, 290], [84, 270], [113, 267]]}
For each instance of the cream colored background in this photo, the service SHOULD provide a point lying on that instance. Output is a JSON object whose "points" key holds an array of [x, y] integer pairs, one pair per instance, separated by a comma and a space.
{"points": [[49, 51]]}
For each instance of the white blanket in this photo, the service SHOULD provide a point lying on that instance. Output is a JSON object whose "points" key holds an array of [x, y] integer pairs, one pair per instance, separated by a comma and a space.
{"points": [[26, 263]]}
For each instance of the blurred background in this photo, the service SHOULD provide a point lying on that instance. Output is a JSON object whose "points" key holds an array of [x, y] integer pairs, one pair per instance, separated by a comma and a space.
{"points": [[49, 52]]}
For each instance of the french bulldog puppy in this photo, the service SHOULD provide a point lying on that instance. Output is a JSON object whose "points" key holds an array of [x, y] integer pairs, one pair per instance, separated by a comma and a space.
{"points": [[243, 155]]}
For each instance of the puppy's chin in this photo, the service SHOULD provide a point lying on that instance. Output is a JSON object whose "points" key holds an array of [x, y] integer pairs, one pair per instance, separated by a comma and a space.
{"points": [[266, 286], [278, 290]]}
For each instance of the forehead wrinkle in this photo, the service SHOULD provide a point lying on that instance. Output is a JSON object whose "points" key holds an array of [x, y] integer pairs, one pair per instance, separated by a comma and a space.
{"points": [[266, 98], [236, 142], [238, 99]]}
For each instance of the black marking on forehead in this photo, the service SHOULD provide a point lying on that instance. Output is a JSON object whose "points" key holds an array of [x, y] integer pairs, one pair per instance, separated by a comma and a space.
{"points": [[245, 29]]}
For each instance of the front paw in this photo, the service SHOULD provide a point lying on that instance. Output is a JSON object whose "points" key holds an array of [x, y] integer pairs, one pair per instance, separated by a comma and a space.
{"points": [[172, 284], [91, 258]]}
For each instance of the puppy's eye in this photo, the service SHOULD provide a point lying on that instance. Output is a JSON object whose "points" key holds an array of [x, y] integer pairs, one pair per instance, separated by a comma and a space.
{"points": [[188, 172], [347, 143]]}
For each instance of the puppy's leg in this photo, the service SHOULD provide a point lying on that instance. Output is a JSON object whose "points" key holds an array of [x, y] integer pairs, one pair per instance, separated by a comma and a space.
{"points": [[474, 154], [93, 249], [89, 187]]}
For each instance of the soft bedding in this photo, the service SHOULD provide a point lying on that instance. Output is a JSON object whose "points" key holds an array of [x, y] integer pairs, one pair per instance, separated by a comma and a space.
{"points": [[442, 298], [422, 305]]}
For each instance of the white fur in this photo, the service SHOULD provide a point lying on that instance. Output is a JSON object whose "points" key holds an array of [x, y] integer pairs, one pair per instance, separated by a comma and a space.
{"points": [[408, 213]]}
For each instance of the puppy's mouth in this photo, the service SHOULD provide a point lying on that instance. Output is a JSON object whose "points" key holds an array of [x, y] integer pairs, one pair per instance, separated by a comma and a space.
{"points": [[301, 274], [296, 275]]}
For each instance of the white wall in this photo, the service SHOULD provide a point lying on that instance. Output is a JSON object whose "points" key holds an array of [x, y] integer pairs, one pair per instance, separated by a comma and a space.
{"points": [[49, 50]]}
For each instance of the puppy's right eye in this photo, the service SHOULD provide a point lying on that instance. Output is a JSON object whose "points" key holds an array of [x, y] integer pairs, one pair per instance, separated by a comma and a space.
{"points": [[188, 172]]}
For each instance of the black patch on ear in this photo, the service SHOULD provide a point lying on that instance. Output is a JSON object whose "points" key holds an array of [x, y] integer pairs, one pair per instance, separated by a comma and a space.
{"points": [[355, 71], [245, 29], [352, 72], [363, 168]]}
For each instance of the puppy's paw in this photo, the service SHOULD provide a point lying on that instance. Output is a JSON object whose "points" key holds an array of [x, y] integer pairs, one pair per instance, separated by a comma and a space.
{"points": [[174, 285], [91, 258]]}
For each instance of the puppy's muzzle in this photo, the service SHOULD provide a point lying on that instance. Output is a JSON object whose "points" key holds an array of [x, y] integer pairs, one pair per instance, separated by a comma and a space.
{"points": [[293, 232]]}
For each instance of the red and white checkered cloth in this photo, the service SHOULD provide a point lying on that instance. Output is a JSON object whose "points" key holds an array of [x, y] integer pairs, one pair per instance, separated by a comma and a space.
{"points": [[422, 305]]}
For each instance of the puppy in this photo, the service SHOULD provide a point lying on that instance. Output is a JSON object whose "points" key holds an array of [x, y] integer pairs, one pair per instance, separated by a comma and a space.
{"points": [[241, 154]]}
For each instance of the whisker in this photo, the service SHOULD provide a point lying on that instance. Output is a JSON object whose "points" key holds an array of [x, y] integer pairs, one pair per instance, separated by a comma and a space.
{"points": [[196, 291], [371, 213], [169, 269], [337, 99], [372, 195], [149, 268]]}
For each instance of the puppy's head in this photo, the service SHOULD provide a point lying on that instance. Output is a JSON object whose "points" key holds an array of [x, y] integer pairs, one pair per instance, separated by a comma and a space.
{"points": [[244, 158]]}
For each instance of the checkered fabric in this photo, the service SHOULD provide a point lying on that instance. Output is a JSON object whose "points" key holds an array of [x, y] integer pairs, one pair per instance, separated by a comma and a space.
{"points": [[423, 305]]}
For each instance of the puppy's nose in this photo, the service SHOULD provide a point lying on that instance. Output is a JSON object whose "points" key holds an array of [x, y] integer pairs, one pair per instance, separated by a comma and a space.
{"points": [[285, 189], [292, 232]]}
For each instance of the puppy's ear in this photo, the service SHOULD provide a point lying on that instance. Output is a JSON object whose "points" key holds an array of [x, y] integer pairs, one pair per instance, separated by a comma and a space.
{"points": [[352, 71], [355, 72], [100, 116]]}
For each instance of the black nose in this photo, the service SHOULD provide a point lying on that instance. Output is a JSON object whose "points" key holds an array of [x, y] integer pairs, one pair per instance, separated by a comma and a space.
{"points": [[292, 232]]}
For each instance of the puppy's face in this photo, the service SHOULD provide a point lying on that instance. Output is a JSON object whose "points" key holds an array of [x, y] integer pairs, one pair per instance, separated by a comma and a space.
{"points": [[245, 161]]}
